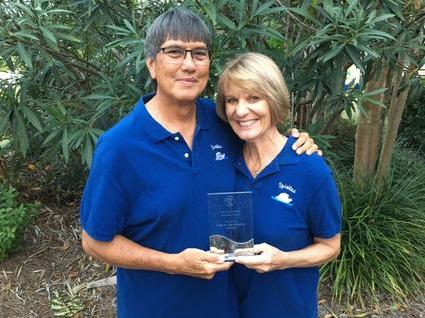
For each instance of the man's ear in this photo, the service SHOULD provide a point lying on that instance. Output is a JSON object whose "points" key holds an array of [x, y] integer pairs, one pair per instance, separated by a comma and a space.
{"points": [[150, 63]]}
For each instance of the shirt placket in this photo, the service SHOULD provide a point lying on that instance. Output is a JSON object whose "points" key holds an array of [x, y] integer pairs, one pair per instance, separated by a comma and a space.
{"points": [[182, 149]]}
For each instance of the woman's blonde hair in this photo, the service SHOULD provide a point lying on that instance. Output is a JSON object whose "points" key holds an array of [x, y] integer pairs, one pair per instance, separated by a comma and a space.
{"points": [[258, 74]]}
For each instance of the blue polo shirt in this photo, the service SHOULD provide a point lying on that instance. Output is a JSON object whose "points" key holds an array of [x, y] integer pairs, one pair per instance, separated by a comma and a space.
{"points": [[149, 186], [295, 199]]}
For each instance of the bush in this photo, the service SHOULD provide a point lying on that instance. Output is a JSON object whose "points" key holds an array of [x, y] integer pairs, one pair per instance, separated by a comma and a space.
{"points": [[14, 217], [341, 154], [412, 125], [383, 236]]}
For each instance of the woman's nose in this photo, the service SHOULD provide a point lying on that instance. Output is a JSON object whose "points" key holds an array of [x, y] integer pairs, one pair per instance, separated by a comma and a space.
{"points": [[241, 108]]}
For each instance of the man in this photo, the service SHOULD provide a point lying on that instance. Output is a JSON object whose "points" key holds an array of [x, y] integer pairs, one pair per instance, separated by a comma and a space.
{"points": [[145, 202]]}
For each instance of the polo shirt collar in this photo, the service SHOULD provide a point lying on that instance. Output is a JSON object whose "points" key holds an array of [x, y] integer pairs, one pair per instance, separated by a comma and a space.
{"points": [[287, 156], [154, 129]]}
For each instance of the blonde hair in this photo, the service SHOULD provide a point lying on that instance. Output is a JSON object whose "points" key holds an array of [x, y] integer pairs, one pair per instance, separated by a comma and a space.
{"points": [[256, 73]]}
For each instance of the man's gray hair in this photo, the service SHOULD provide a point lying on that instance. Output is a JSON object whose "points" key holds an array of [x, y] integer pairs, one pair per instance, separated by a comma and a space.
{"points": [[176, 24]]}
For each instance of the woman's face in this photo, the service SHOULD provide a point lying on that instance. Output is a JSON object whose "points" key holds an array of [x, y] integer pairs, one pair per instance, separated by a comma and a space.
{"points": [[248, 113]]}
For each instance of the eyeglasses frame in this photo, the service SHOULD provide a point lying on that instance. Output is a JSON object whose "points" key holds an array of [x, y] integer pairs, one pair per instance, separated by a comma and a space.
{"points": [[162, 50]]}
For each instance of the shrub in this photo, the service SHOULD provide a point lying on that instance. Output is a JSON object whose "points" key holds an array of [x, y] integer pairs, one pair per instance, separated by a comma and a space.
{"points": [[341, 154], [412, 126], [14, 217], [383, 236]]}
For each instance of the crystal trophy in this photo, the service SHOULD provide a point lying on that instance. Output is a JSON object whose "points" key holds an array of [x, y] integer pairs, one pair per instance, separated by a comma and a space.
{"points": [[230, 224]]}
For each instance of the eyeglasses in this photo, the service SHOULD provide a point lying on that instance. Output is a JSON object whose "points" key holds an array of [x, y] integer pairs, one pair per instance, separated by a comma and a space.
{"points": [[176, 55]]}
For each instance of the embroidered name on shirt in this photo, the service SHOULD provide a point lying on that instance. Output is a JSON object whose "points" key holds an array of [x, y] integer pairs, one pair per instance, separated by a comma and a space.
{"points": [[287, 187], [214, 147], [283, 198]]}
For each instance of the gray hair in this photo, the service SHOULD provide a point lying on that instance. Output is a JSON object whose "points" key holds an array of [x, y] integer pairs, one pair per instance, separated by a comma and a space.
{"points": [[176, 24]]}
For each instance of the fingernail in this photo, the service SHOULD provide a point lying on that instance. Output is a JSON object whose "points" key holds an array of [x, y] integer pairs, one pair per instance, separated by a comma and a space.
{"points": [[308, 152], [299, 151], [294, 147]]}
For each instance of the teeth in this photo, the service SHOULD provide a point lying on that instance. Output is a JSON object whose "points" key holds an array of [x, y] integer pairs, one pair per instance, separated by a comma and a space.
{"points": [[246, 123]]}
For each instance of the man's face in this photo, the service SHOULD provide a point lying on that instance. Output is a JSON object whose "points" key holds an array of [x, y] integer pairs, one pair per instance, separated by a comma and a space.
{"points": [[179, 80]]}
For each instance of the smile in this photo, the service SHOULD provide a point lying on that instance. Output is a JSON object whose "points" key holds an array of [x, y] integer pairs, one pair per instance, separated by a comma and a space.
{"points": [[187, 80], [247, 123]]}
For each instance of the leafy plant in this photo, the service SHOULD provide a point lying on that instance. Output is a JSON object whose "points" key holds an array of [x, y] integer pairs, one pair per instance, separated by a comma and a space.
{"points": [[383, 237], [412, 126], [65, 306], [14, 217]]}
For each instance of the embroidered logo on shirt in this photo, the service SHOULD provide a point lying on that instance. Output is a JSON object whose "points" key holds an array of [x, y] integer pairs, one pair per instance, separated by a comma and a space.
{"points": [[284, 198], [220, 156]]}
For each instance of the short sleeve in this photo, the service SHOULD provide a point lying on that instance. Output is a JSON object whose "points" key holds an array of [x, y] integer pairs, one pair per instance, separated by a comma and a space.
{"points": [[104, 203], [324, 209]]}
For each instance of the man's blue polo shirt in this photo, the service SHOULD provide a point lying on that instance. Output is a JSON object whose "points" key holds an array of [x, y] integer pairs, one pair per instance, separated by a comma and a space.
{"points": [[147, 185], [295, 199]]}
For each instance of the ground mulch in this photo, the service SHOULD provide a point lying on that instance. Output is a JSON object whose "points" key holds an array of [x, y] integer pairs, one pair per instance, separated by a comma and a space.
{"points": [[51, 275]]}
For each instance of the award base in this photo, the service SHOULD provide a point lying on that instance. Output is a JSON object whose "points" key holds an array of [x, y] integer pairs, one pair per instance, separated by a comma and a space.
{"points": [[229, 257], [230, 249]]}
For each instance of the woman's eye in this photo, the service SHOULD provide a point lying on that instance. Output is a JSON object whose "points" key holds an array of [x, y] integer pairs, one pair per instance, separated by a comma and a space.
{"points": [[253, 98], [230, 100]]}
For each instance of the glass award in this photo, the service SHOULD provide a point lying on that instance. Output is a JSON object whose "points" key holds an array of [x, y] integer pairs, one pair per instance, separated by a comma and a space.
{"points": [[230, 219]]}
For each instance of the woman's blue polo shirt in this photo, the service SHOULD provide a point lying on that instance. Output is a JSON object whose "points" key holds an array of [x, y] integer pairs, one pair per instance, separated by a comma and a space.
{"points": [[295, 199], [149, 186]]}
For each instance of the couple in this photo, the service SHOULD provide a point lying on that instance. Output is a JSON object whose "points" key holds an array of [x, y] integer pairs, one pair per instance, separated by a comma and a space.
{"points": [[143, 208]]}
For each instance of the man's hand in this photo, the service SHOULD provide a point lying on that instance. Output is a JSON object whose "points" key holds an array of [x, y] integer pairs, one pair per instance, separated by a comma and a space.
{"points": [[198, 263], [304, 143], [122, 252]]}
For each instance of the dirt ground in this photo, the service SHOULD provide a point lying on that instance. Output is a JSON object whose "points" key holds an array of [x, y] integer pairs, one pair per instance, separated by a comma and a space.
{"points": [[51, 277]]}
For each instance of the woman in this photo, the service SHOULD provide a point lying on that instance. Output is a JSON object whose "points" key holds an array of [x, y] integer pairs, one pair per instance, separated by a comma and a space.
{"points": [[296, 206]]}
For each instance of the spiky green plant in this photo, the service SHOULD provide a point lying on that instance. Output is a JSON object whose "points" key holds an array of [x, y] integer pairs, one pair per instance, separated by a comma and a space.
{"points": [[383, 237]]}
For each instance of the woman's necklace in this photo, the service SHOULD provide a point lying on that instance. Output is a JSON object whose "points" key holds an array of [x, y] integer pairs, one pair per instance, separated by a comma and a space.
{"points": [[258, 170], [255, 166]]}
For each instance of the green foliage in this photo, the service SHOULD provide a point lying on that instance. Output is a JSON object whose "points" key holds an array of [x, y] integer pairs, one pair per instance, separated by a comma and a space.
{"points": [[80, 67], [65, 305], [341, 155], [412, 126], [14, 217], [383, 237]]}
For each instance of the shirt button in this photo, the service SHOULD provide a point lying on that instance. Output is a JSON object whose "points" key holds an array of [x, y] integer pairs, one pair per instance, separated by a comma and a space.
{"points": [[176, 138], [186, 155]]}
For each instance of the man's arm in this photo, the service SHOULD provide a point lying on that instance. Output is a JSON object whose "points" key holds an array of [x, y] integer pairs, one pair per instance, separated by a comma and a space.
{"points": [[122, 252]]}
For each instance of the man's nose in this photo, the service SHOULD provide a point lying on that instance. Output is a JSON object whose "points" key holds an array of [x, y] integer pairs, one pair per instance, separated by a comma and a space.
{"points": [[188, 60]]}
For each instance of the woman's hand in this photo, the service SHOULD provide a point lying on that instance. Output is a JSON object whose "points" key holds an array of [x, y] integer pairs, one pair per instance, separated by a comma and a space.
{"points": [[304, 143], [267, 258], [270, 258]]}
